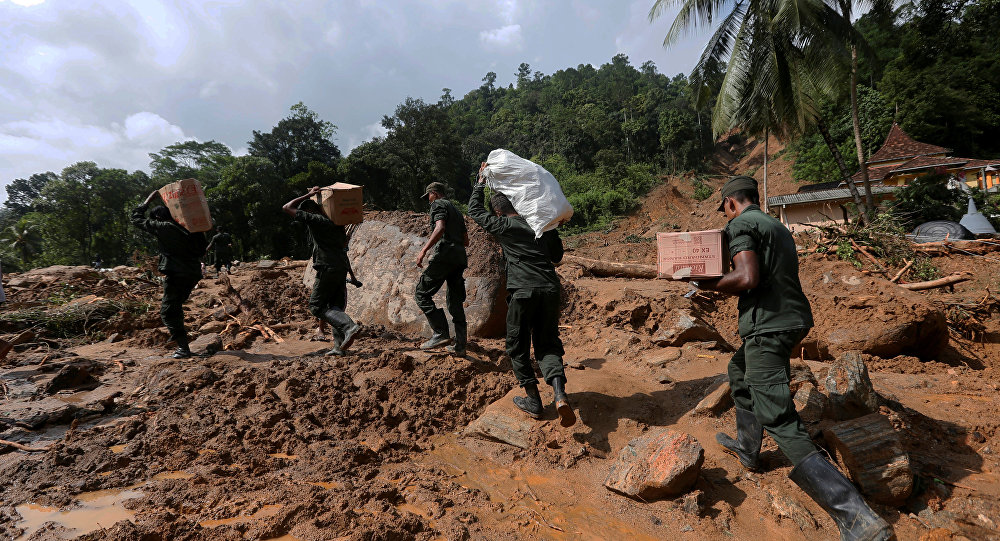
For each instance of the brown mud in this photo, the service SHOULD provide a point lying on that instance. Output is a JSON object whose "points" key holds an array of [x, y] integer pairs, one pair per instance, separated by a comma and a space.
{"points": [[270, 439]]}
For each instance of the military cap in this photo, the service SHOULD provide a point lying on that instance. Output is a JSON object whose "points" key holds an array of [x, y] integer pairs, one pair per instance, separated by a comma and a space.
{"points": [[736, 184], [435, 187]]}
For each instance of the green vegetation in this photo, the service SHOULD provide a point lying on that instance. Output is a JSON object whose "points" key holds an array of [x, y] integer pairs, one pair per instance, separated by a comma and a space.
{"points": [[701, 190], [605, 132]]}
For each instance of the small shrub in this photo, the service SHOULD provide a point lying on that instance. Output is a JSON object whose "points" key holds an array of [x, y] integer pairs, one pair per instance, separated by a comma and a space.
{"points": [[846, 252], [702, 191], [923, 269]]}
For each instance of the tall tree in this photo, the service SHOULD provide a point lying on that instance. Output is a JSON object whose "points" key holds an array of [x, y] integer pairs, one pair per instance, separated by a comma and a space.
{"points": [[297, 140], [22, 192], [190, 159]]}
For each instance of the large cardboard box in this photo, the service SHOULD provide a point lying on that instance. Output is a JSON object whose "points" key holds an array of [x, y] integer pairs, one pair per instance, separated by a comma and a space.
{"points": [[343, 203], [187, 204], [693, 254]]}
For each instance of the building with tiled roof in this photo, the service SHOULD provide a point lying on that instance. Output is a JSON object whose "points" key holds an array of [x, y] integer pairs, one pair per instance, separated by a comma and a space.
{"points": [[900, 160]]}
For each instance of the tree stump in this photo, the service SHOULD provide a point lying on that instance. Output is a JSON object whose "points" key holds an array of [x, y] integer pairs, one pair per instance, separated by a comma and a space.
{"points": [[870, 451]]}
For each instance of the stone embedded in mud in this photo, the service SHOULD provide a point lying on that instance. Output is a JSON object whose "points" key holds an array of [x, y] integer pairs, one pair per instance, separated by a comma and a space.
{"points": [[383, 252], [79, 374], [658, 464], [659, 357], [208, 344], [850, 388], [811, 404], [787, 507], [681, 325], [871, 452], [496, 424], [801, 374], [212, 326], [55, 274], [718, 400], [892, 321]]}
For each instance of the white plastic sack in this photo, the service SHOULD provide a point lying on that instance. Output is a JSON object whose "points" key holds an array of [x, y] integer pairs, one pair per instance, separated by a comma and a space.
{"points": [[532, 190]]}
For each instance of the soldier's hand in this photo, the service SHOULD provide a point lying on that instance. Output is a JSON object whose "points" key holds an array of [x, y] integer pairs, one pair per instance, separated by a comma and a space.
{"points": [[481, 179], [420, 259]]}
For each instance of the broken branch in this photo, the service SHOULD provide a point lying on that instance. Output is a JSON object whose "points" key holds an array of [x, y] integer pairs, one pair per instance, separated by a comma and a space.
{"points": [[940, 282], [606, 268]]}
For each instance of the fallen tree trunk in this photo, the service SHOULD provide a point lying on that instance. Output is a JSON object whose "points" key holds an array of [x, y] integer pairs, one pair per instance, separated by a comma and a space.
{"points": [[940, 282], [606, 268], [959, 246]]}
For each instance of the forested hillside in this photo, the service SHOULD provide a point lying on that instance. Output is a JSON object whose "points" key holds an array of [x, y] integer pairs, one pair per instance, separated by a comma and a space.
{"points": [[605, 132]]}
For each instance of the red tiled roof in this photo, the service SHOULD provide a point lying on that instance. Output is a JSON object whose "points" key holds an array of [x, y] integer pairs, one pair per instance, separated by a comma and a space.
{"points": [[899, 146], [875, 174], [927, 162], [979, 164]]}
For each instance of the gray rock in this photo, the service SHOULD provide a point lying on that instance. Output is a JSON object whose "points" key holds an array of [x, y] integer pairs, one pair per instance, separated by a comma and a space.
{"points": [[868, 448], [801, 374], [850, 388], [659, 464], [212, 327], [660, 357], [495, 424], [811, 404], [209, 344], [266, 264], [681, 325], [718, 399]]}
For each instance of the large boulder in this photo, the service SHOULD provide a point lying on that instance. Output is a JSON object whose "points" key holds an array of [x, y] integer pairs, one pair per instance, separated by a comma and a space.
{"points": [[55, 274], [383, 252], [854, 312], [659, 464]]}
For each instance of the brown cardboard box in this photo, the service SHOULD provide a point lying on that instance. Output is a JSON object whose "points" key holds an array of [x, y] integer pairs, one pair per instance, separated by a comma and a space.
{"points": [[342, 203], [694, 254], [187, 204]]}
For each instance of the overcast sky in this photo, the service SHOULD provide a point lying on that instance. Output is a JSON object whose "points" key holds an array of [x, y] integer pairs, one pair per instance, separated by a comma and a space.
{"points": [[111, 81]]}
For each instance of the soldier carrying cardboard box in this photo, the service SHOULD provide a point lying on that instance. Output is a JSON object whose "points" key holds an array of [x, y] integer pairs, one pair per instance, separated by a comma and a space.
{"points": [[774, 315], [328, 300], [180, 262]]}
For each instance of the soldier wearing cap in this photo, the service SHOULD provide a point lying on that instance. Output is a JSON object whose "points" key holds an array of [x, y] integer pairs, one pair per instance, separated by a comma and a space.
{"points": [[446, 265], [774, 315]]}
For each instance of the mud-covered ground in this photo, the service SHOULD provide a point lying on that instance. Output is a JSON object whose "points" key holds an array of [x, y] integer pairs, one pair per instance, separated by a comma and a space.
{"points": [[267, 438]]}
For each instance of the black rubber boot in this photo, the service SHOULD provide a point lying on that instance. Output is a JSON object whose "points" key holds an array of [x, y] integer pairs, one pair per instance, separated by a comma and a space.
{"points": [[566, 416], [439, 324], [337, 340], [355, 282], [749, 436], [824, 483], [345, 325], [183, 352], [530, 404], [461, 334]]}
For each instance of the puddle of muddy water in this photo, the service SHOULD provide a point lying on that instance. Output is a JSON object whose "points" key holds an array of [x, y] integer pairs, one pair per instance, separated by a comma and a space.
{"points": [[99, 509], [263, 512]]}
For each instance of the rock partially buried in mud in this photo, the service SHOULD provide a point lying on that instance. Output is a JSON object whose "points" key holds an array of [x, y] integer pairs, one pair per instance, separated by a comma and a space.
{"points": [[497, 425], [659, 464], [718, 400], [890, 321], [383, 251], [682, 325], [207, 344], [55, 274], [870, 450], [811, 404], [850, 388]]}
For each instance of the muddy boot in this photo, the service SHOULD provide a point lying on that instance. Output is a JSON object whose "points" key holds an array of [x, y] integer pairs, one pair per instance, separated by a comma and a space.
{"points": [[530, 404], [458, 348], [749, 436], [824, 483], [439, 324], [183, 352], [345, 325], [355, 282], [566, 416], [335, 351]]}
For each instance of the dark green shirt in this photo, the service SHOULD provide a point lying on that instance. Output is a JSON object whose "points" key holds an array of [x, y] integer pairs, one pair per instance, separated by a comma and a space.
{"points": [[777, 303], [180, 250], [452, 244], [328, 240], [222, 242], [529, 261]]}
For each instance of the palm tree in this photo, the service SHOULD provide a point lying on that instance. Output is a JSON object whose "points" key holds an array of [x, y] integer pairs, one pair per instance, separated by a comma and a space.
{"points": [[23, 237], [778, 55]]}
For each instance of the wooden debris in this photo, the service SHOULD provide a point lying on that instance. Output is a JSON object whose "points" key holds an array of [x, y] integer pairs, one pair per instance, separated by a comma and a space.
{"points": [[21, 447], [607, 268], [940, 282], [902, 271]]}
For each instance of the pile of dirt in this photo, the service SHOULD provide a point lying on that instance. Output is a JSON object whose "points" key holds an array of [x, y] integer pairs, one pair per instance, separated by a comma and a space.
{"points": [[309, 436]]}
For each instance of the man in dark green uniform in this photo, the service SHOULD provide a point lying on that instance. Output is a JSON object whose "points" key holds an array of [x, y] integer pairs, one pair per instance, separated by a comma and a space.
{"points": [[774, 315], [180, 262], [532, 300], [223, 244], [445, 266], [329, 295]]}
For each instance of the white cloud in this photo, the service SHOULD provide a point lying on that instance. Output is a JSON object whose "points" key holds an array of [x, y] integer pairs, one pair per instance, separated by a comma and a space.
{"points": [[26, 3], [508, 10], [507, 37], [50, 143]]}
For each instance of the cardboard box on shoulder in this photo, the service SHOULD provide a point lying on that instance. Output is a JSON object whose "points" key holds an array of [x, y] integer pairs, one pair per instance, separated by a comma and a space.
{"points": [[343, 203], [693, 254], [187, 204]]}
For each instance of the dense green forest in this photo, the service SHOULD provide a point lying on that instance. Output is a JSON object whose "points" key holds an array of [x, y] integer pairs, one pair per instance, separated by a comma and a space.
{"points": [[605, 132], [933, 67]]}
